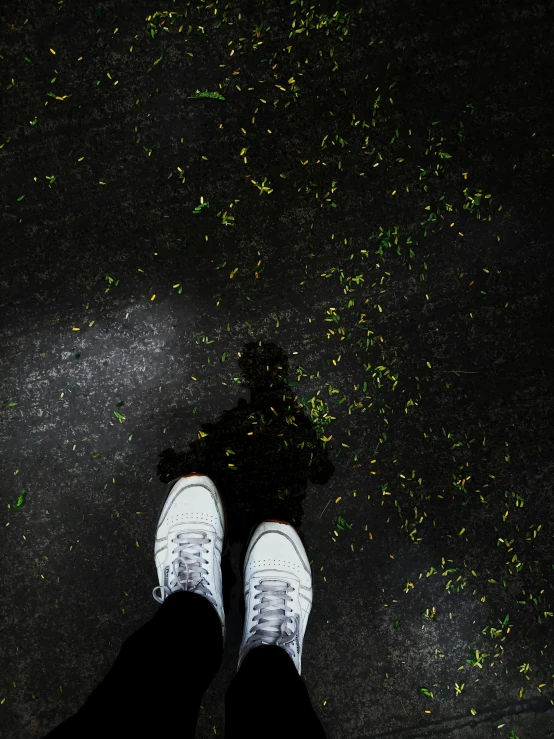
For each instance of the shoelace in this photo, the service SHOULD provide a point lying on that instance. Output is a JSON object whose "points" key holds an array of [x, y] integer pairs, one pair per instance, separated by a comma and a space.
{"points": [[274, 618], [188, 572]]}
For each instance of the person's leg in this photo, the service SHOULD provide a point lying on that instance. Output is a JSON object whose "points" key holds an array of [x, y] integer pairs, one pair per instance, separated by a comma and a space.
{"points": [[158, 679], [268, 696]]}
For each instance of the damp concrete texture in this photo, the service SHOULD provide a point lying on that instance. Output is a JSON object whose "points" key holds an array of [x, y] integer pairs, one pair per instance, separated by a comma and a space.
{"points": [[374, 306]]}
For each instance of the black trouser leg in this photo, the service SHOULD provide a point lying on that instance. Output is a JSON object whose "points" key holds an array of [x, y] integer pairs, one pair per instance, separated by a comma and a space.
{"points": [[268, 698], [158, 679]]}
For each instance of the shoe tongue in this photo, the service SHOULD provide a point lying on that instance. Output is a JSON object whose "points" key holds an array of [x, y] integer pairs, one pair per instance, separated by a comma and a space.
{"points": [[274, 581], [189, 534]]}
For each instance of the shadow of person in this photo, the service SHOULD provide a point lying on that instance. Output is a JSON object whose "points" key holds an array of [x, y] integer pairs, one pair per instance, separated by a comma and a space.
{"points": [[260, 454]]}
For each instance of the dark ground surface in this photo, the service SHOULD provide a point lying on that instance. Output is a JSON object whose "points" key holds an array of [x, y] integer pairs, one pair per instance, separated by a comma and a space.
{"points": [[415, 326]]}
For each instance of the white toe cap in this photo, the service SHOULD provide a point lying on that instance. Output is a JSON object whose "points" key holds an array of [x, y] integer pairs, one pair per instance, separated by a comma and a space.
{"points": [[193, 500], [277, 546]]}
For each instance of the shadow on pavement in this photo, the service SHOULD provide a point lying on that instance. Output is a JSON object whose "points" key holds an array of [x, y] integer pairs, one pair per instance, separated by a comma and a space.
{"points": [[260, 454]]}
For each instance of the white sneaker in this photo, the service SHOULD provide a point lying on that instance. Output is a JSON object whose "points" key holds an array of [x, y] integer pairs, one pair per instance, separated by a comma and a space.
{"points": [[277, 590], [189, 541]]}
